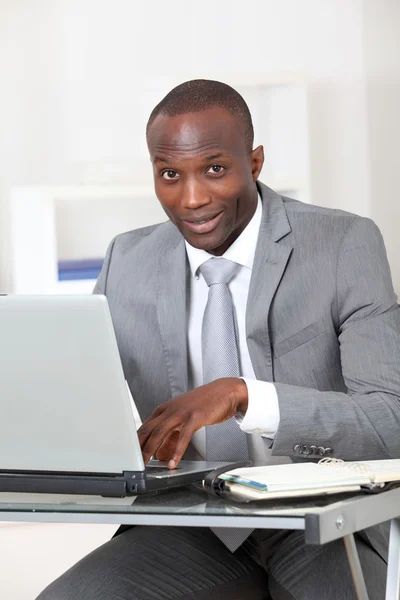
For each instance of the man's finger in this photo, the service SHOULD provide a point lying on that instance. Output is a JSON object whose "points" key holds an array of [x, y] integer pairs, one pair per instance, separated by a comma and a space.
{"points": [[167, 448], [147, 428], [182, 443], [161, 431]]}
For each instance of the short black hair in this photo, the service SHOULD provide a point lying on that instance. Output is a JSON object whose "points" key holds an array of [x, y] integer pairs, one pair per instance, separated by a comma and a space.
{"points": [[200, 94]]}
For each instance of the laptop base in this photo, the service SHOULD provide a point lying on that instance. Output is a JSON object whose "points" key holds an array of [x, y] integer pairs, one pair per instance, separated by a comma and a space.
{"points": [[128, 483], [98, 484]]}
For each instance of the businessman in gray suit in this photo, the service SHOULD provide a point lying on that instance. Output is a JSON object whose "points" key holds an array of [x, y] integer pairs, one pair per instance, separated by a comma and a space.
{"points": [[307, 328]]}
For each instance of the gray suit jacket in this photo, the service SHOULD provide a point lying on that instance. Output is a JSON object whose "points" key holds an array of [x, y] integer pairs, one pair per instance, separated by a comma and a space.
{"points": [[322, 323]]}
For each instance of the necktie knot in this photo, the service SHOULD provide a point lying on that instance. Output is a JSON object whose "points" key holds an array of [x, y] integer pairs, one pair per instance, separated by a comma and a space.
{"points": [[218, 270]]}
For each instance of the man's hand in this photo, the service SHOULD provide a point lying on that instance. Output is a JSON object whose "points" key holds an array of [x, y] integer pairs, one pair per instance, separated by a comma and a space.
{"points": [[168, 431]]}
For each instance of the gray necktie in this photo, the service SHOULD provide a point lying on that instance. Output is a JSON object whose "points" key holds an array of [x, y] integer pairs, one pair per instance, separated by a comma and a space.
{"points": [[225, 441], [219, 339]]}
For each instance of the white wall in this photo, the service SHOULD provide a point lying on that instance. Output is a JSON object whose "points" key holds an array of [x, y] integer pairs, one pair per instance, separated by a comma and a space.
{"points": [[382, 59], [79, 76]]}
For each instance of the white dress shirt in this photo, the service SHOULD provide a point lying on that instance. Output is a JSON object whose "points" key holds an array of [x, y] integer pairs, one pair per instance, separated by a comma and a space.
{"points": [[262, 416]]}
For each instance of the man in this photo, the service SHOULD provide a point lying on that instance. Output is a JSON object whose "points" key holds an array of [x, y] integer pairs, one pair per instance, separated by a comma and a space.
{"points": [[250, 325]]}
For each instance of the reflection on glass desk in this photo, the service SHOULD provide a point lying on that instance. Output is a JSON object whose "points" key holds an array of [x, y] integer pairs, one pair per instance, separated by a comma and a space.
{"points": [[323, 519], [193, 506], [190, 499]]}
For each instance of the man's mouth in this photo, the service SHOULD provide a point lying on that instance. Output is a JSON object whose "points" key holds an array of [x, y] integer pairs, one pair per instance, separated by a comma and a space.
{"points": [[203, 225]]}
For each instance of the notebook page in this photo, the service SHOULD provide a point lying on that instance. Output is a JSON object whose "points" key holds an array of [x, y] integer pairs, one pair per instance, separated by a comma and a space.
{"points": [[298, 476], [380, 471]]}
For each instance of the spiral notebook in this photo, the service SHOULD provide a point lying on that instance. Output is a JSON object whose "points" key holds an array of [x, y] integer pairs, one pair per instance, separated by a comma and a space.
{"points": [[328, 476]]}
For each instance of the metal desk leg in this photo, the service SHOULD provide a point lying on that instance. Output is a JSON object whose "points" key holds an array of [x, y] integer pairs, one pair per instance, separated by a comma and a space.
{"points": [[393, 572], [355, 567]]}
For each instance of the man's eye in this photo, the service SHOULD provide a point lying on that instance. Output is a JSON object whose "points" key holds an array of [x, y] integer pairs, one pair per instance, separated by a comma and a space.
{"points": [[216, 169], [170, 174]]}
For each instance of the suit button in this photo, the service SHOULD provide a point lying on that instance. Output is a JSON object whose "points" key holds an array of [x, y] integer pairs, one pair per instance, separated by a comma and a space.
{"points": [[314, 449], [328, 451], [306, 450], [321, 450], [298, 449]]}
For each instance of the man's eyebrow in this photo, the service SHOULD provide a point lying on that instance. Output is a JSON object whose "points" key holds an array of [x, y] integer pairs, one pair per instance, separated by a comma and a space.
{"points": [[214, 156], [160, 159], [207, 158]]}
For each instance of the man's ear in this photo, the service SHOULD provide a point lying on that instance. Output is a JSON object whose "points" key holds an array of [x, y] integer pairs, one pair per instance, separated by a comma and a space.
{"points": [[257, 161]]}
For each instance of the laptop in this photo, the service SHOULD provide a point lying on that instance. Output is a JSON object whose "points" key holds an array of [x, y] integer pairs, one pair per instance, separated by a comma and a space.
{"points": [[67, 421]]}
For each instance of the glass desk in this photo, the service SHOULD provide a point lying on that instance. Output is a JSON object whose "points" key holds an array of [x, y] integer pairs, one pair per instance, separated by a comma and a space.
{"points": [[322, 519]]}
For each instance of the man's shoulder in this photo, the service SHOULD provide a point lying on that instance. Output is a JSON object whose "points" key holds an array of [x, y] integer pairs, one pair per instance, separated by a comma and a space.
{"points": [[144, 236], [317, 221], [308, 218], [313, 211]]}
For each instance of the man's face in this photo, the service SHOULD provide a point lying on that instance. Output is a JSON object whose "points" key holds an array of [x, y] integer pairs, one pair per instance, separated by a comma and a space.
{"points": [[205, 175]]}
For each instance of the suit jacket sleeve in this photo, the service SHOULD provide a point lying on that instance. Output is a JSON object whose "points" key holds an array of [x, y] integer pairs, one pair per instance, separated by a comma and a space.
{"points": [[101, 283], [365, 422]]}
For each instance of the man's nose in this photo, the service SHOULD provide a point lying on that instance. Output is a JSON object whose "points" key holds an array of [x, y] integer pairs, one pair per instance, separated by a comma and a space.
{"points": [[194, 196]]}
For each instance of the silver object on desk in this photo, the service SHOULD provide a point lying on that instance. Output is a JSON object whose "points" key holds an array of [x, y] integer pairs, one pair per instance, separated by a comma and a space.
{"points": [[67, 422]]}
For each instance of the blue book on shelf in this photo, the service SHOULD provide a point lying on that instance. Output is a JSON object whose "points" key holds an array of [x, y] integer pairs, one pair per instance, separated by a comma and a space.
{"points": [[72, 270]]}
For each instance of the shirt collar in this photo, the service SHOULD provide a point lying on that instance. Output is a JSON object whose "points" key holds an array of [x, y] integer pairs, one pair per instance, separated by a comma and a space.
{"points": [[242, 250]]}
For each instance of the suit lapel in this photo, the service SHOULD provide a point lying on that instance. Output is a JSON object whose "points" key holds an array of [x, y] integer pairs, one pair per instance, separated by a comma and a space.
{"points": [[171, 309], [269, 265]]}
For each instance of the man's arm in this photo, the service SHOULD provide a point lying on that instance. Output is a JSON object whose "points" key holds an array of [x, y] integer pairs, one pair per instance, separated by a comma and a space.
{"points": [[101, 283], [365, 422]]}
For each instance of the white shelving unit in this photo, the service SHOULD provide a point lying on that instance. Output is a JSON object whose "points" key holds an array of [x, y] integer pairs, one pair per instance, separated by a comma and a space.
{"points": [[52, 223], [40, 237]]}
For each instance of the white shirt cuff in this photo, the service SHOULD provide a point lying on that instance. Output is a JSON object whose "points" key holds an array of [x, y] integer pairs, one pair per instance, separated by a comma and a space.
{"points": [[262, 415]]}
